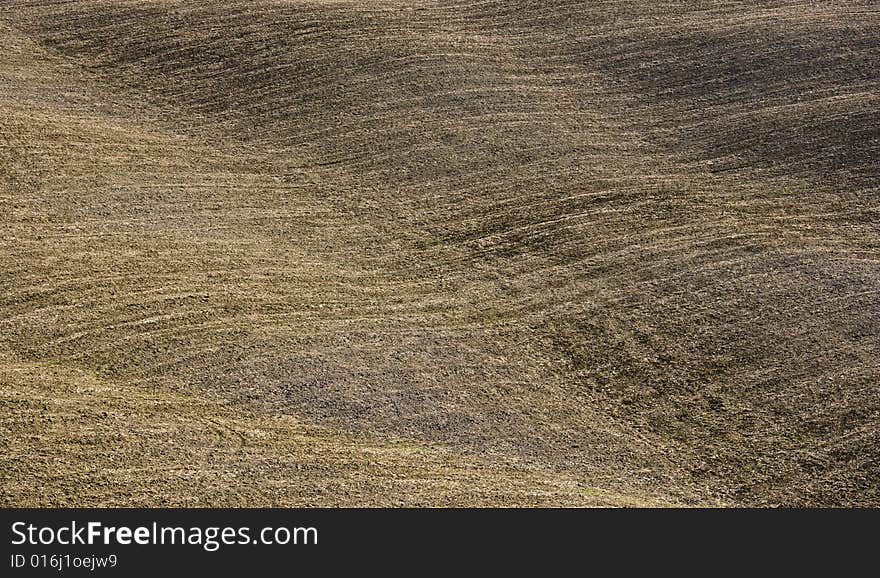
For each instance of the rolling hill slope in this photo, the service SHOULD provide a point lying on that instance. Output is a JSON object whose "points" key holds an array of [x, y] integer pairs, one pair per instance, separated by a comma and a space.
{"points": [[556, 246]]}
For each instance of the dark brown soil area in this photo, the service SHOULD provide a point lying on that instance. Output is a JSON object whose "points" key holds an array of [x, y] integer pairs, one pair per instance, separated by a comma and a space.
{"points": [[554, 246]]}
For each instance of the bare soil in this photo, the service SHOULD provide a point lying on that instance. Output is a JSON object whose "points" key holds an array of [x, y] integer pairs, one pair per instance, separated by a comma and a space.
{"points": [[276, 252]]}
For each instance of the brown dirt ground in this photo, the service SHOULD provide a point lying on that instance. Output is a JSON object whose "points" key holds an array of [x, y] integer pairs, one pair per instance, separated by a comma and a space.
{"points": [[473, 253], [73, 438]]}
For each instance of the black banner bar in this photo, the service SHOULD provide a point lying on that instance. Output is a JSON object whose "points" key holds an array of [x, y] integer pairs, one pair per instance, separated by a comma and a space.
{"points": [[125, 542]]}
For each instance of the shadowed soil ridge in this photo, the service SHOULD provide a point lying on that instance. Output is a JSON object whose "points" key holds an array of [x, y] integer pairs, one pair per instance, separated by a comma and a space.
{"points": [[553, 246]]}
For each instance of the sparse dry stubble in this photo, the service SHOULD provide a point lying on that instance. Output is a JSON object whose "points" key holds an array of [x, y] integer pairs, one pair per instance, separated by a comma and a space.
{"points": [[470, 253]]}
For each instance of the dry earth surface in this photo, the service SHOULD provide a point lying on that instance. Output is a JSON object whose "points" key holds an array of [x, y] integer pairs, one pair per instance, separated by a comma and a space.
{"points": [[280, 252]]}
